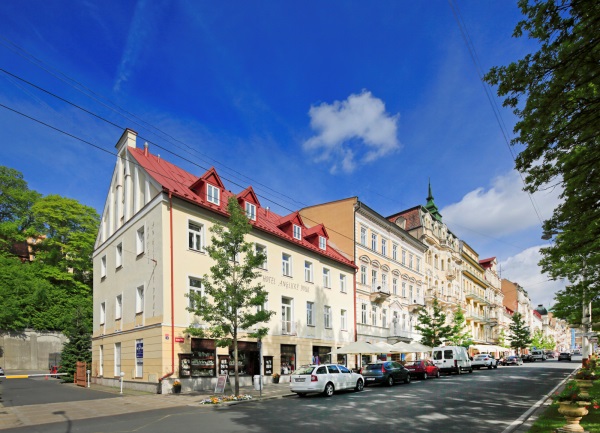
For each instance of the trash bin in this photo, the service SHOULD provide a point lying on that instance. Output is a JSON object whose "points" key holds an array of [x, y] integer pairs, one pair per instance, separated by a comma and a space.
{"points": [[257, 384]]}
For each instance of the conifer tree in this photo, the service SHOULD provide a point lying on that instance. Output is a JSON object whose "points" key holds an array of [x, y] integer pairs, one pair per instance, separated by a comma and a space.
{"points": [[433, 328], [520, 337], [79, 345], [460, 336]]}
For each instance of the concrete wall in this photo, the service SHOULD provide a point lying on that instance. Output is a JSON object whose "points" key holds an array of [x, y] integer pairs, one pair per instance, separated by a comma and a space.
{"points": [[30, 350]]}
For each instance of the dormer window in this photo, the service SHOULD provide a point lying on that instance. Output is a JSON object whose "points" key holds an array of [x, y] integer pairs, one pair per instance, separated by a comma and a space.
{"points": [[251, 211], [322, 243], [212, 194], [297, 232]]}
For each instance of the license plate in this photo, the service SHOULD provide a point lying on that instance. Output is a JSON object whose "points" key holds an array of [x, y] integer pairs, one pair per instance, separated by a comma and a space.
{"points": [[301, 379], [370, 378]]}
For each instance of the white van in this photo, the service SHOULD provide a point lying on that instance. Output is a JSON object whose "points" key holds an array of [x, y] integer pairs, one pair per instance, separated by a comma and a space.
{"points": [[451, 359], [538, 355]]}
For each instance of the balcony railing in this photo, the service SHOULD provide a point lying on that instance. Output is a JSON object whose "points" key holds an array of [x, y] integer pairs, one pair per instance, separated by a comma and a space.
{"points": [[379, 292]]}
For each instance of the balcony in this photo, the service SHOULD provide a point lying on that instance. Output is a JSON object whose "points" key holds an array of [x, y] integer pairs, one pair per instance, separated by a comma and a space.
{"points": [[493, 321], [450, 275], [379, 294], [414, 305], [469, 315], [476, 297]]}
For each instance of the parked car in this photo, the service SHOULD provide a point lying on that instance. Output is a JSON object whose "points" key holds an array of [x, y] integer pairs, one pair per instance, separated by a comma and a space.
{"points": [[451, 359], [387, 372], [1, 372], [324, 378], [564, 356], [551, 354], [484, 360], [512, 360], [423, 369], [538, 355], [527, 358], [576, 351]]}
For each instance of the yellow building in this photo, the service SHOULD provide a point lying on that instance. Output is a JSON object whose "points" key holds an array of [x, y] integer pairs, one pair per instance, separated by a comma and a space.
{"points": [[150, 253]]}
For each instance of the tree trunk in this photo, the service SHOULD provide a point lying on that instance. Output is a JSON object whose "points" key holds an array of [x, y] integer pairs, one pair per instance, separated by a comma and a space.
{"points": [[235, 366]]}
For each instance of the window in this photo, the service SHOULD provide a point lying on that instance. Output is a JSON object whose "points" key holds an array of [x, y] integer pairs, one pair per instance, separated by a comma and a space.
{"points": [[403, 289], [117, 359], [363, 314], [343, 320], [384, 247], [373, 241], [310, 313], [194, 288], [102, 313], [343, 283], [286, 262], [442, 264], [262, 249], [322, 243], [118, 307], [418, 264], [384, 285], [395, 252], [101, 361], [404, 257], [308, 272], [297, 232], [384, 318], [374, 315], [363, 236], [410, 294], [139, 300], [395, 286], [363, 275], [103, 267], [327, 316], [410, 261], [373, 278], [286, 315], [212, 194], [119, 256], [251, 211], [140, 241], [195, 236], [326, 278]]}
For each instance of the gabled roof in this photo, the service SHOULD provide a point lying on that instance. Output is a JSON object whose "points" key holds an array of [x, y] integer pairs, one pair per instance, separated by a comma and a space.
{"points": [[318, 230], [186, 186], [249, 196]]}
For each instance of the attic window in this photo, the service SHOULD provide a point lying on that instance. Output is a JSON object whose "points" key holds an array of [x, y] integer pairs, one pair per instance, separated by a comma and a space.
{"points": [[212, 194], [322, 243], [297, 232], [251, 211]]}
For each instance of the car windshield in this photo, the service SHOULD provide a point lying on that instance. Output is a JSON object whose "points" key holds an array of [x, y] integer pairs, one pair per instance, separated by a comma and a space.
{"points": [[305, 369], [374, 367]]}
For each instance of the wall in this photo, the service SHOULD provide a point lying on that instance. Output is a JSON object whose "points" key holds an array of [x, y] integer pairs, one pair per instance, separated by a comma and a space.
{"points": [[30, 350]]}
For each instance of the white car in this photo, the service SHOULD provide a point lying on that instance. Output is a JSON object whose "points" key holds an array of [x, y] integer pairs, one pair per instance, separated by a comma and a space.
{"points": [[484, 360], [324, 378], [1, 372]]}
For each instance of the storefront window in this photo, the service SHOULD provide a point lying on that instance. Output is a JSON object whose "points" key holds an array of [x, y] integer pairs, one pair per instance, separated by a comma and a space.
{"points": [[248, 359], [321, 355], [288, 358]]}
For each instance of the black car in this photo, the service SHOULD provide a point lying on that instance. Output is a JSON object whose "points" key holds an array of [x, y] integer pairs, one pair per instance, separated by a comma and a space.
{"points": [[387, 372], [564, 356]]}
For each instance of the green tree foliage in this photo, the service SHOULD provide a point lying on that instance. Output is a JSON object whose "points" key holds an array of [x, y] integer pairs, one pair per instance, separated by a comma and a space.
{"points": [[555, 93], [79, 344], [520, 337], [433, 327], [459, 335], [501, 338], [541, 341], [233, 299]]}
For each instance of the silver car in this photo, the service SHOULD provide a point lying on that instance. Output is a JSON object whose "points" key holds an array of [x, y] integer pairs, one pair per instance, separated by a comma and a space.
{"points": [[325, 379]]}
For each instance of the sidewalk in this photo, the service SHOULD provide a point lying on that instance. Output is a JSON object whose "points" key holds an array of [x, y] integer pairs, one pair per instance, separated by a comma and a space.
{"points": [[129, 402]]}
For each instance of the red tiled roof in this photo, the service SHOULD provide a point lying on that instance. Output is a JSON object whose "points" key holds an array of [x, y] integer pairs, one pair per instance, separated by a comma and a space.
{"points": [[412, 217], [179, 182]]}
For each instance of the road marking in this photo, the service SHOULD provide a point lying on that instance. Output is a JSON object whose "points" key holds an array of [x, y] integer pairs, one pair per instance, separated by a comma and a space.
{"points": [[26, 376]]}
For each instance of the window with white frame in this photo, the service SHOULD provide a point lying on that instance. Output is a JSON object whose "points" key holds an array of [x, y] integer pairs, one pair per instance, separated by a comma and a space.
{"points": [[117, 359], [395, 252], [363, 236], [212, 194], [384, 284], [102, 313], [404, 257], [195, 236], [326, 278], [139, 299], [118, 307], [103, 267], [410, 293], [119, 255], [410, 261], [101, 361], [251, 211], [297, 232], [403, 289], [384, 247], [310, 313], [363, 314], [322, 243], [194, 288], [384, 318], [363, 274], [343, 288], [374, 315], [395, 286], [286, 315], [286, 263], [327, 316], [418, 264], [308, 272], [262, 249], [374, 278], [344, 320], [140, 241], [373, 241]]}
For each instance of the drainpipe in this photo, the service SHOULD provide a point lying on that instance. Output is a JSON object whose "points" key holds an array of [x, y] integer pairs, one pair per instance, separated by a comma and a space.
{"points": [[172, 292]]}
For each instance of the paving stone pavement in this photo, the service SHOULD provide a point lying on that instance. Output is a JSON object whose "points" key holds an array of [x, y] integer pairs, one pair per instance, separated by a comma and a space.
{"points": [[21, 416]]}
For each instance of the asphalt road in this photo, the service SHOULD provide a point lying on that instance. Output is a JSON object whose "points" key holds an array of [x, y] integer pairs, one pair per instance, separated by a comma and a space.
{"points": [[485, 401]]}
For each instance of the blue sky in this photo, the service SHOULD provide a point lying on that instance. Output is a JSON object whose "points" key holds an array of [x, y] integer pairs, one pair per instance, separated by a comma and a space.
{"points": [[308, 102]]}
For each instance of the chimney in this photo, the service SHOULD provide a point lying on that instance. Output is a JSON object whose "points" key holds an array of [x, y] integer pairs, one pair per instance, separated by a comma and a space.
{"points": [[146, 148]]}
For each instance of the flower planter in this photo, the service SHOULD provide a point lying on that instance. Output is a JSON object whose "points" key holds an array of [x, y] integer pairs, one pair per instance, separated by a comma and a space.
{"points": [[176, 389], [585, 385], [573, 412], [275, 379]]}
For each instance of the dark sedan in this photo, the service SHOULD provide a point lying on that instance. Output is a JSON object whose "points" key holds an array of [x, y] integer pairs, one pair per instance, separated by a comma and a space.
{"points": [[564, 356], [387, 372], [512, 360]]}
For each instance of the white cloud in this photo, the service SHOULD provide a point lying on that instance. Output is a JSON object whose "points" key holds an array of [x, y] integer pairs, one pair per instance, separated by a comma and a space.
{"points": [[523, 269], [351, 132], [501, 210]]}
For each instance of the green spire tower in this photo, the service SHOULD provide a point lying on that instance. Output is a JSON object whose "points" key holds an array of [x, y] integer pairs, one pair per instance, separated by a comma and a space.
{"points": [[431, 207]]}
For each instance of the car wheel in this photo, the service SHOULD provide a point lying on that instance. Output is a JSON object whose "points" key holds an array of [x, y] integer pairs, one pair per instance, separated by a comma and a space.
{"points": [[425, 376], [360, 385], [496, 366], [459, 371], [490, 367], [407, 380], [329, 389], [471, 370], [301, 394], [437, 374], [390, 380]]}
